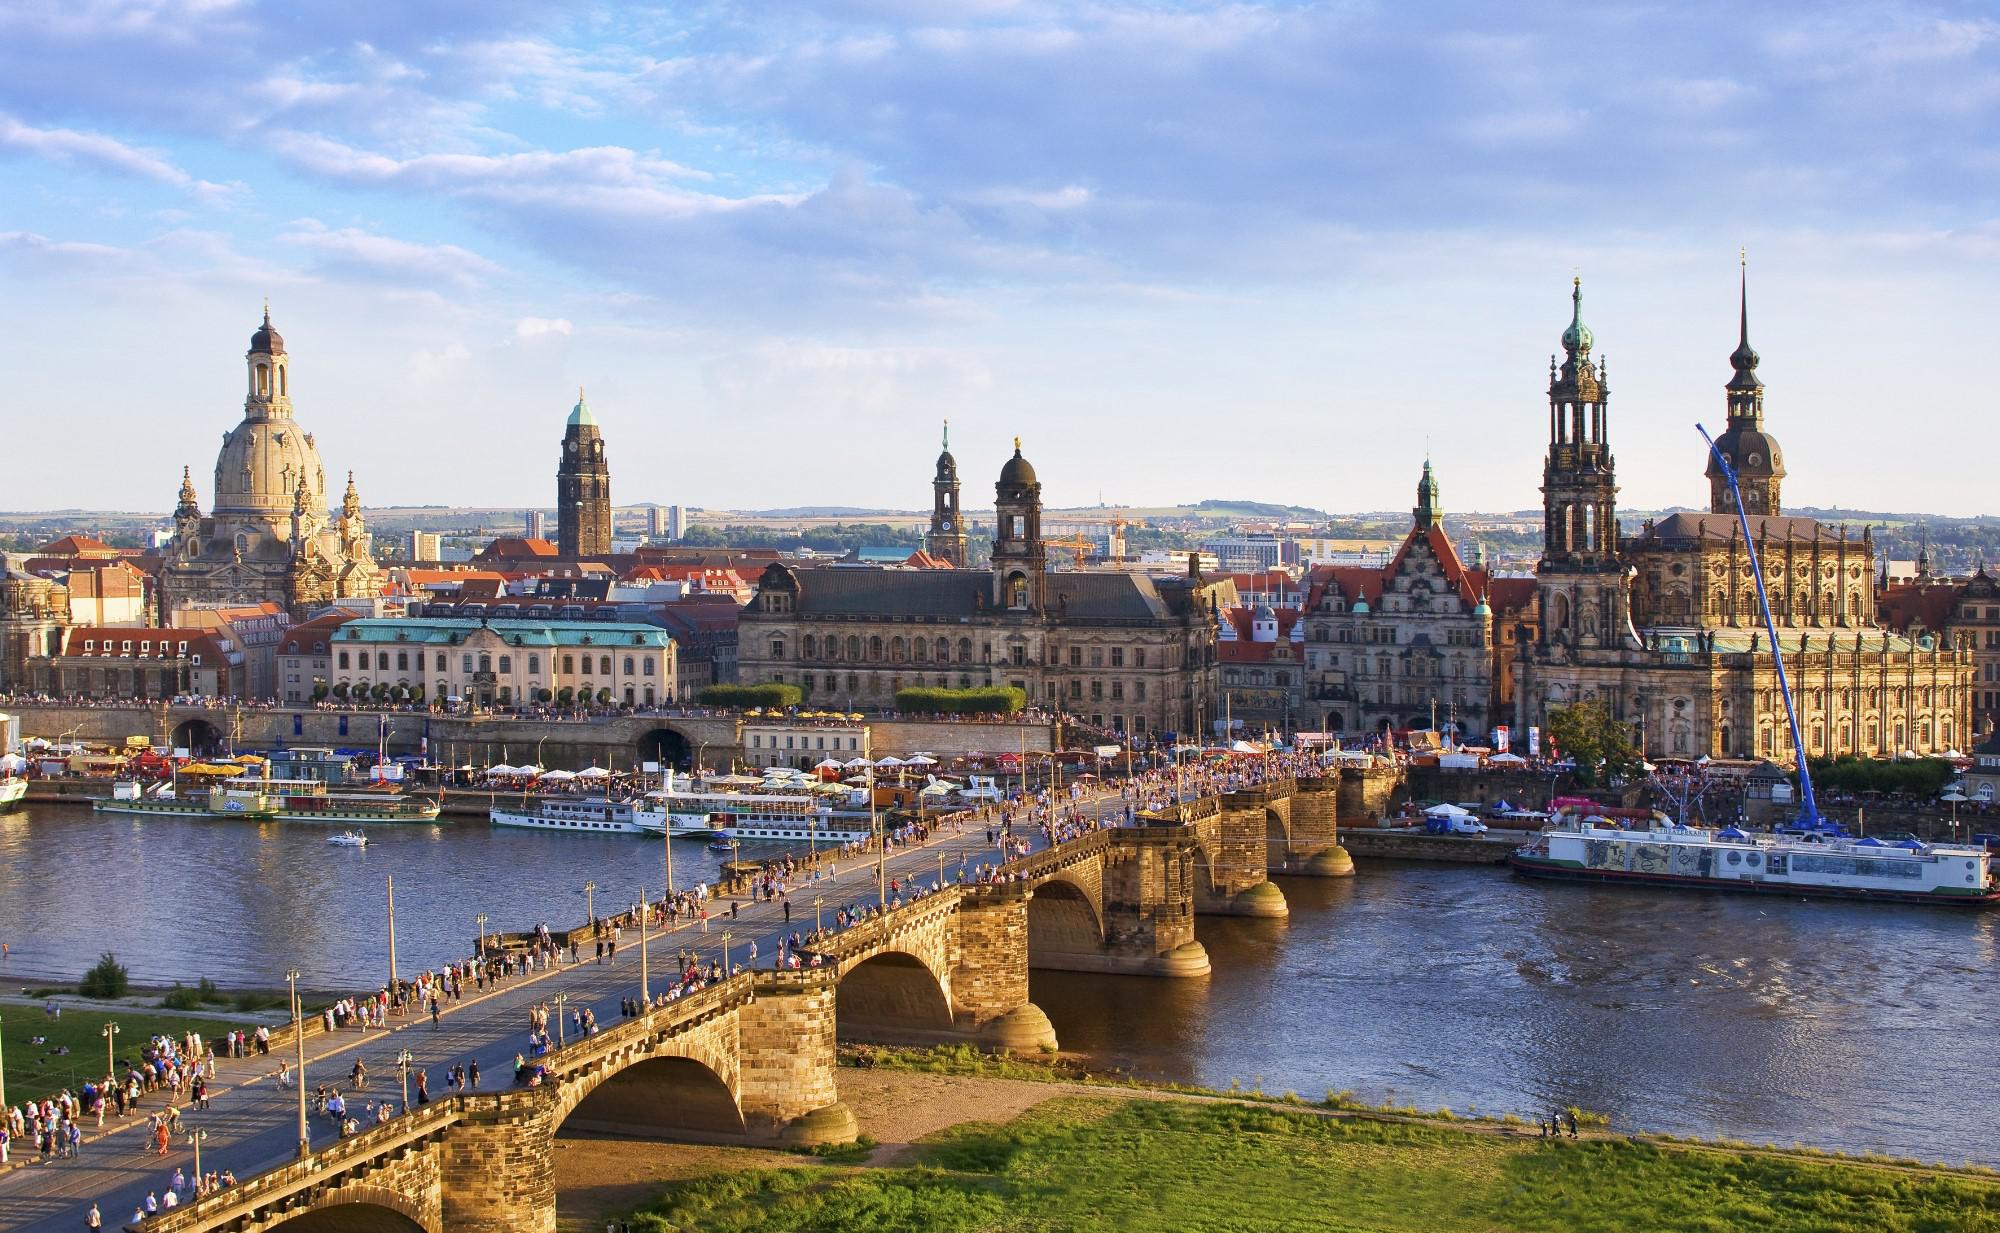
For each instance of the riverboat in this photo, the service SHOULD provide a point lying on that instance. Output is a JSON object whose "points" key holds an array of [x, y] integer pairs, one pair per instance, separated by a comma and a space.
{"points": [[1815, 865], [595, 815], [348, 839], [751, 817], [285, 800], [13, 790]]}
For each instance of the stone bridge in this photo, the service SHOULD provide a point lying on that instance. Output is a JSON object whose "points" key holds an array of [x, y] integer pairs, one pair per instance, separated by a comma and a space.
{"points": [[752, 1058]]}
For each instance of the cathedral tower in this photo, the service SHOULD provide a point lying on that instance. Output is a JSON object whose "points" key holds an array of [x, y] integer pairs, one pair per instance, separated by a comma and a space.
{"points": [[583, 487], [1020, 561], [1429, 509], [1754, 453], [1582, 583], [946, 540]]}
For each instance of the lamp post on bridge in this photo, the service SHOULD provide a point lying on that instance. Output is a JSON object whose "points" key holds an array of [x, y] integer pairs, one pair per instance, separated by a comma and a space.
{"points": [[645, 990], [403, 1061], [299, 1042], [195, 1136], [481, 918], [110, 1033], [394, 993], [726, 971], [818, 900], [561, 1036], [590, 905], [940, 857]]}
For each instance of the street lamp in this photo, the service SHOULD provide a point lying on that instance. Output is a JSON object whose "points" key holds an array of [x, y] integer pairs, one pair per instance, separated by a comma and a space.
{"points": [[299, 1041], [393, 991], [817, 901], [403, 1061], [940, 857], [590, 904], [110, 1031], [645, 989], [195, 1136], [726, 972], [3, 1063], [561, 1036], [481, 918]]}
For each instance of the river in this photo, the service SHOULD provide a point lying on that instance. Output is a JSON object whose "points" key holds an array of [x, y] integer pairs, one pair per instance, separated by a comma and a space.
{"points": [[1860, 1027]]}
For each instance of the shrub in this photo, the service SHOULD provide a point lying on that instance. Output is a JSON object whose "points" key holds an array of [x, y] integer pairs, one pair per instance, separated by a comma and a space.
{"points": [[180, 997], [544, 695], [744, 696], [416, 693], [381, 692], [319, 692], [108, 979], [604, 697], [980, 700], [564, 695], [340, 690]]}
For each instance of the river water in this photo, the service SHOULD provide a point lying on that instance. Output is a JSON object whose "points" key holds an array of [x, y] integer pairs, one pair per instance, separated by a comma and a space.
{"points": [[1861, 1027]]}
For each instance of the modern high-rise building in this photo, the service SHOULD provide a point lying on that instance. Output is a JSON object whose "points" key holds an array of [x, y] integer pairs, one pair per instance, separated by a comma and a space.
{"points": [[677, 523], [536, 524], [655, 522], [583, 487], [424, 545]]}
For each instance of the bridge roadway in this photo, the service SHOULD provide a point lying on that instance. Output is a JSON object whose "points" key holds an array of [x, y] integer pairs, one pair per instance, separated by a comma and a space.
{"points": [[252, 1125]]}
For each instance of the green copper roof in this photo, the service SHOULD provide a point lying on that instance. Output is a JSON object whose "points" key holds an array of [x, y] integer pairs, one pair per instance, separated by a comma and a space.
{"points": [[579, 415], [1577, 338]]}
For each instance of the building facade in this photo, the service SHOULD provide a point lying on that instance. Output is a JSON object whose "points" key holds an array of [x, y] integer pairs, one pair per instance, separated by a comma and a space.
{"points": [[583, 488], [34, 612], [142, 663], [1125, 651], [270, 535], [504, 662], [1664, 626], [804, 744]]}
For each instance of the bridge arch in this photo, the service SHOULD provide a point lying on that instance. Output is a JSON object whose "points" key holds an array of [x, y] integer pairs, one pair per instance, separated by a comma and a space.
{"points": [[197, 736], [659, 1096], [667, 746], [1277, 838], [360, 1209], [889, 995], [1062, 920]]}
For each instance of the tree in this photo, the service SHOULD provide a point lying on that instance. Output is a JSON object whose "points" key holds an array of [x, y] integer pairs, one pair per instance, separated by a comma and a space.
{"points": [[544, 694], [772, 695], [604, 697], [107, 979], [1587, 733], [319, 691], [340, 691], [381, 691], [416, 693], [978, 700], [564, 695]]}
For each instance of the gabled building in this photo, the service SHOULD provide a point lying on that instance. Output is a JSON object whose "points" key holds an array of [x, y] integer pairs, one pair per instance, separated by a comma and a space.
{"points": [[140, 663]]}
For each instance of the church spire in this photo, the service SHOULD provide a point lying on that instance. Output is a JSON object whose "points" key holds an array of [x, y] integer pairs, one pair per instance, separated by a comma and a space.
{"points": [[1744, 358], [1429, 510]]}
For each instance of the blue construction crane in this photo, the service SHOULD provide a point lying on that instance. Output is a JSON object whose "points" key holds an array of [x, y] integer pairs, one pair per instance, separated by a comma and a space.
{"points": [[1809, 818]]}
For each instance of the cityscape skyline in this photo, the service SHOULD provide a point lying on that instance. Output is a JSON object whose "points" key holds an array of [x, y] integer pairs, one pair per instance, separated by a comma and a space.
{"points": [[1350, 230]]}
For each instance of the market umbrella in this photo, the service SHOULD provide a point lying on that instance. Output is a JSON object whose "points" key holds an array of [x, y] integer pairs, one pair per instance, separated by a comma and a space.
{"points": [[559, 776], [593, 772]]}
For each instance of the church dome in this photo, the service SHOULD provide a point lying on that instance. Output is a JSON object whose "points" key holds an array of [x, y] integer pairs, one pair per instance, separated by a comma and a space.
{"points": [[1753, 452], [267, 340], [1577, 338], [1018, 473], [260, 465]]}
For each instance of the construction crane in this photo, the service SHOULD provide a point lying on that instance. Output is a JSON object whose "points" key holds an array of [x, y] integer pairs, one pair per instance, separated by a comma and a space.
{"points": [[1076, 544]]}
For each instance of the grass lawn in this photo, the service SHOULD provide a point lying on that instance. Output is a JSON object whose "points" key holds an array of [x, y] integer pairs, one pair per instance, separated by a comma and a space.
{"points": [[1081, 1165], [34, 1071]]}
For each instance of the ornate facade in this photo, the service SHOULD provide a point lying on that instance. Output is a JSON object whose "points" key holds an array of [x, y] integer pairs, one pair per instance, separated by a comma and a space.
{"points": [[1123, 651], [270, 536], [583, 488], [1665, 627]]}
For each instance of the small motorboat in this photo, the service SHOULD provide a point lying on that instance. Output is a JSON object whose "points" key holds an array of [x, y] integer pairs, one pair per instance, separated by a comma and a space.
{"points": [[721, 845], [348, 839]]}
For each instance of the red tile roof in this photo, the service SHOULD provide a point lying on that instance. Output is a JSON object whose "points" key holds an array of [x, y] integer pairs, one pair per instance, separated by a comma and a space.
{"points": [[78, 546], [1905, 603], [299, 639], [146, 642]]}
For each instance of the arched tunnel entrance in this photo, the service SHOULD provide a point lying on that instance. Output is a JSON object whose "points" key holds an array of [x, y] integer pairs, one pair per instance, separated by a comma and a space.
{"points": [[659, 1098], [197, 736], [1061, 921], [891, 998], [665, 746]]}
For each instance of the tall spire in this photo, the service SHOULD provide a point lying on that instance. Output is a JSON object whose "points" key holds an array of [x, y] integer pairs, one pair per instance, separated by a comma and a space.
{"points": [[947, 436], [1577, 338], [1429, 509], [1744, 358]]}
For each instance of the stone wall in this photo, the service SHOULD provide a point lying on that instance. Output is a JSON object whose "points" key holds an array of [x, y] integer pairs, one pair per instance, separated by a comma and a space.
{"points": [[786, 1040]]}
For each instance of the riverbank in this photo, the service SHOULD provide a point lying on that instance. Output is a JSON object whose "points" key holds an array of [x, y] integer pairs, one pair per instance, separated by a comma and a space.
{"points": [[1029, 1146]]}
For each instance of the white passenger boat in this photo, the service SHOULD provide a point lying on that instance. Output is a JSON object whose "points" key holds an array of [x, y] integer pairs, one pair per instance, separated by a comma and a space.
{"points": [[592, 814], [1816, 865], [348, 839], [13, 790], [752, 817]]}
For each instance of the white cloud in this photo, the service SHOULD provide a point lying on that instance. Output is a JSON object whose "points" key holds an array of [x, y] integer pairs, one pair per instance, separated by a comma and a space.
{"points": [[354, 251], [101, 153], [543, 327]]}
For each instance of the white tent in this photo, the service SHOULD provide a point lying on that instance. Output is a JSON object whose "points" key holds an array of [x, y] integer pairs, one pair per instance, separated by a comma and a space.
{"points": [[921, 760], [826, 765], [502, 770], [559, 776], [1507, 759], [891, 761], [1447, 811], [856, 764], [593, 772]]}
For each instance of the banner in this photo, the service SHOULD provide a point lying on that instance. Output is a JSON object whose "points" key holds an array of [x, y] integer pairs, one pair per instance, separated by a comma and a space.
{"points": [[1108, 751], [1534, 741], [1500, 738]]}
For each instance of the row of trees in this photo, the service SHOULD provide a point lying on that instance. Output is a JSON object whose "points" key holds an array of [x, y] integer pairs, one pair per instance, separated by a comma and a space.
{"points": [[979, 700], [780, 696]]}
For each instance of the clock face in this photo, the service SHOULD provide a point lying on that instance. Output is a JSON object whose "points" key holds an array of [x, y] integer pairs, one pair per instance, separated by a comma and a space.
{"points": [[946, 524]]}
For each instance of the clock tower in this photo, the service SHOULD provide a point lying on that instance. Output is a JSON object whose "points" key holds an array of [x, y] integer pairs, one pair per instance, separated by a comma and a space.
{"points": [[946, 540]]}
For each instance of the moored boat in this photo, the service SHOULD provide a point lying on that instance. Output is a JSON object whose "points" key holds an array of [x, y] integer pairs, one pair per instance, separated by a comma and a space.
{"points": [[13, 790], [195, 794], [1813, 865], [348, 839], [590, 814]]}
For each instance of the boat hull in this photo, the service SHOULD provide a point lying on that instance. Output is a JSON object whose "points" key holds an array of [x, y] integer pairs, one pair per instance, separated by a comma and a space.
{"points": [[575, 826], [1531, 867], [184, 809], [12, 793]]}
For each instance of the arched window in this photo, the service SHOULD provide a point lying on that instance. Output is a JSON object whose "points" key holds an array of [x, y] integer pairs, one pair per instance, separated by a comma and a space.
{"points": [[944, 650], [1017, 592], [629, 665], [808, 648], [534, 664], [875, 648], [853, 648], [965, 650], [920, 649]]}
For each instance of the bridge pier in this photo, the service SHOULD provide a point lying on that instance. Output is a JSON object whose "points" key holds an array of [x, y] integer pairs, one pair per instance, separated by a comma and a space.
{"points": [[1365, 792], [786, 1082], [497, 1166], [989, 982], [1315, 844], [1239, 840]]}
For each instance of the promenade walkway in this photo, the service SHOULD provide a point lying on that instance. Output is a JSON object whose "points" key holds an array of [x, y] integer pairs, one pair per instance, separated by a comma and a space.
{"points": [[253, 1124]]}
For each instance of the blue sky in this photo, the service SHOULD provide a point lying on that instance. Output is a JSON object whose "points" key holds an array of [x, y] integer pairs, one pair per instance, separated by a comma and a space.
{"points": [[1269, 250]]}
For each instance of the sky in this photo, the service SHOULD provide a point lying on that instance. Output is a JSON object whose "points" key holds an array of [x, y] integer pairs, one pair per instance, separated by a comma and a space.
{"points": [[1275, 251]]}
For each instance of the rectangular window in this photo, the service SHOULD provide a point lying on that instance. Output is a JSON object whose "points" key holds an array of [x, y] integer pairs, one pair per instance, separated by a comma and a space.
{"points": [[646, 666], [466, 662], [506, 663], [1139, 691], [1076, 657], [1138, 657], [1118, 657], [382, 660], [402, 661], [534, 665], [1117, 691]]}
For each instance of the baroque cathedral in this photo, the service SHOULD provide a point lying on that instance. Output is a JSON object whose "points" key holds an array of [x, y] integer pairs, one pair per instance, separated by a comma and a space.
{"points": [[270, 536], [1664, 625]]}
